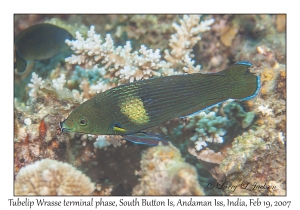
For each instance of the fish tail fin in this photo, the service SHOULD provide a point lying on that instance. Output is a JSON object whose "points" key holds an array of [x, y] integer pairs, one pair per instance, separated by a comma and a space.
{"points": [[242, 83], [146, 138], [21, 63]]}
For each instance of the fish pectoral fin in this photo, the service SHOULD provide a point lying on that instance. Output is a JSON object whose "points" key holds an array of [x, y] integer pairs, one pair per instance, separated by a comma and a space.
{"points": [[117, 128], [21, 63], [147, 138]]}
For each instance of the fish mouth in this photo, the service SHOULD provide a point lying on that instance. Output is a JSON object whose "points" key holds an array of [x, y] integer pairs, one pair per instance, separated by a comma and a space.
{"points": [[62, 128]]}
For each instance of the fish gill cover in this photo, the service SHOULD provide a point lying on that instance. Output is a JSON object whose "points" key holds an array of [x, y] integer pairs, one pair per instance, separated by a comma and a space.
{"points": [[170, 61]]}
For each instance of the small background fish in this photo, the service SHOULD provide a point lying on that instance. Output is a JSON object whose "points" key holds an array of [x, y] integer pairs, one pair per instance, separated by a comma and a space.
{"points": [[39, 42]]}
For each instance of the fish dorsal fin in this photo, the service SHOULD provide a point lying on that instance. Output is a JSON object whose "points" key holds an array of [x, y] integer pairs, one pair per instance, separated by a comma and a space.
{"points": [[237, 69], [21, 63]]}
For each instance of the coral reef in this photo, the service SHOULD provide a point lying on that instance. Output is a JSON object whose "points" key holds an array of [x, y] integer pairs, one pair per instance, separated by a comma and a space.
{"points": [[129, 66], [258, 155], [164, 172], [256, 159], [237, 115], [234, 141], [36, 131], [124, 64], [182, 42], [208, 128], [51, 177], [150, 30]]}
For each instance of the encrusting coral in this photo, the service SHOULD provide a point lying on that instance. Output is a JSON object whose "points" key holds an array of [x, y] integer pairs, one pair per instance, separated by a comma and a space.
{"points": [[164, 172], [51, 177]]}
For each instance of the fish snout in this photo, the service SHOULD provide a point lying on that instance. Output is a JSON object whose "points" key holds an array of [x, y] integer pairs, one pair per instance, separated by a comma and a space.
{"points": [[61, 127]]}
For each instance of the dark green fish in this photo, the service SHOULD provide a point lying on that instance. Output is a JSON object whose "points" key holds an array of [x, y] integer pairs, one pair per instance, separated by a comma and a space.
{"points": [[128, 109], [39, 42]]}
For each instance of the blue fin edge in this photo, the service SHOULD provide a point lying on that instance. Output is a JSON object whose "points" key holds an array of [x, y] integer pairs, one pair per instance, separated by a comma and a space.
{"points": [[247, 63], [149, 139]]}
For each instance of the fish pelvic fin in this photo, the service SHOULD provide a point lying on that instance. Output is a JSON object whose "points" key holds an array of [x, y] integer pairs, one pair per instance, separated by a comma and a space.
{"points": [[242, 83], [147, 138], [21, 63]]}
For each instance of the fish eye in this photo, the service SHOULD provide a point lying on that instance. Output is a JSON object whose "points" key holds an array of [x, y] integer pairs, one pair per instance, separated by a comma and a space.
{"points": [[83, 122]]}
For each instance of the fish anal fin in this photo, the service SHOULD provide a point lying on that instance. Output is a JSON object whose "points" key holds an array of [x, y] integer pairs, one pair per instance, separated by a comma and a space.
{"points": [[200, 107], [147, 138]]}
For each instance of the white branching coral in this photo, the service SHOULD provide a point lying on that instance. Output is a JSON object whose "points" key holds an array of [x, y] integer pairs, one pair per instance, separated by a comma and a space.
{"points": [[35, 84], [120, 62], [208, 127], [56, 87], [59, 83], [101, 86], [182, 42], [51, 177], [117, 60]]}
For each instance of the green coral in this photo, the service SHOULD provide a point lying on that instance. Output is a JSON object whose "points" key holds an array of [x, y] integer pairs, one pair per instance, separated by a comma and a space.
{"points": [[236, 113]]}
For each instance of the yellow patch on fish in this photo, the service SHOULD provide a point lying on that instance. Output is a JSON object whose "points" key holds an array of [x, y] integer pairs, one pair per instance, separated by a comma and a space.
{"points": [[119, 130], [133, 108]]}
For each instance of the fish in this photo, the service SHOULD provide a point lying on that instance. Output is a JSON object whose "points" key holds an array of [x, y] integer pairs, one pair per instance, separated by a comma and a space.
{"points": [[130, 108], [39, 42]]}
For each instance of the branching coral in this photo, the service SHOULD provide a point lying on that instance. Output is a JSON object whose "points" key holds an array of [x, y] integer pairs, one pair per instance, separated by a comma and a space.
{"points": [[35, 84], [129, 66], [182, 42], [51, 177], [124, 64], [164, 172], [208, 127]]}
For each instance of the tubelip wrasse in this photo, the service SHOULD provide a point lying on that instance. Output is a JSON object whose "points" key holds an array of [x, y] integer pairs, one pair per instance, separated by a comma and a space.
{"points": [[129, 109], [39, 42]]}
